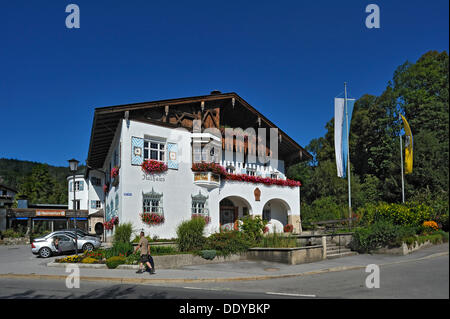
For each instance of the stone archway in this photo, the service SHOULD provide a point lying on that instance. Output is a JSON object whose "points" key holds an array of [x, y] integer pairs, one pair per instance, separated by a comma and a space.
{"points": [[277, 212], [232, 208]]}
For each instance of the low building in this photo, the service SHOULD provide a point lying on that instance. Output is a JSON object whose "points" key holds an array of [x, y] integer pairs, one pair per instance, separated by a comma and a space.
{"points": [[39, 218], [147, 157], [7, 197]]}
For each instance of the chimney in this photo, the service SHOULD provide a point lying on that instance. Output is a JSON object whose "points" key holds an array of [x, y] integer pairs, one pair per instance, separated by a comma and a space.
{"points": [[215, 92]]}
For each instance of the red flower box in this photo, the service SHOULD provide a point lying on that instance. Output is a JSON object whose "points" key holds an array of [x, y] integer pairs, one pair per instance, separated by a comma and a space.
{"points": [[152, 218], [217, 169], [153, 166]]}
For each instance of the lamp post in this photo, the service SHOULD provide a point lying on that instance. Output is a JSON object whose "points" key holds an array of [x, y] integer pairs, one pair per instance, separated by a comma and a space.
{"points": [[73, 165]]}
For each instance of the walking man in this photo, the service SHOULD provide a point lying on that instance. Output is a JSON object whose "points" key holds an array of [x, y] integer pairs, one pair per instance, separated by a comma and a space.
{"points": [[144, 248]]}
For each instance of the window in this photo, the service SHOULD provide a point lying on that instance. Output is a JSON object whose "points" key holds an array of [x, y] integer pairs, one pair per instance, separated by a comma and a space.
{"points": [[96, 181], [154, 150], [266, 215], [152, 202], [274, 175], [96, 204], [251, 172], [200, 206], [77, 204]]}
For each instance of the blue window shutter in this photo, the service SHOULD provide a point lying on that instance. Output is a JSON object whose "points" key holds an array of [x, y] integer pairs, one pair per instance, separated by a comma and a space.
{"points": [[81, 185], [172, 150], [137, 150]]}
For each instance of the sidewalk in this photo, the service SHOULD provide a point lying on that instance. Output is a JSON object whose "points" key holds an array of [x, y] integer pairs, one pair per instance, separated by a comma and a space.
{"points": [[230, 271]]}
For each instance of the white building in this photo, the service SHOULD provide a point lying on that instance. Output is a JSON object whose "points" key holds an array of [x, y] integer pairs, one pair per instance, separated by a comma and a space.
{"points": [[125, 136]]}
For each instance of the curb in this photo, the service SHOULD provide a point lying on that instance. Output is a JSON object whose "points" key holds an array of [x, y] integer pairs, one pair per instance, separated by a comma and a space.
{"points": [[193, 280]]}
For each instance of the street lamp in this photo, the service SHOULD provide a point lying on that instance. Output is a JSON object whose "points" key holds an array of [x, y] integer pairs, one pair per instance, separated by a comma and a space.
{"points": [[73, 165]]}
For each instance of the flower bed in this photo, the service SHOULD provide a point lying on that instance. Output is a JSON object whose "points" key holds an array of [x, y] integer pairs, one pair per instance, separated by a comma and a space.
{"points": [[217, 169], [153, 166]]}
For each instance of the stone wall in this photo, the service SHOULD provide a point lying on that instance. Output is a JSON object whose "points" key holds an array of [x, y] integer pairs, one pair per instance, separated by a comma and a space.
{"points": [[290, 256]]}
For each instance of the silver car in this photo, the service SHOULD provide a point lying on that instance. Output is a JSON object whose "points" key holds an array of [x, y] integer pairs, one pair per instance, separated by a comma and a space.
{"points": [[45, 246]]}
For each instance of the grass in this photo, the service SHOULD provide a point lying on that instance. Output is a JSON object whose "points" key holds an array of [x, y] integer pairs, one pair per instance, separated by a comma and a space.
{"points": [[278, 241]]}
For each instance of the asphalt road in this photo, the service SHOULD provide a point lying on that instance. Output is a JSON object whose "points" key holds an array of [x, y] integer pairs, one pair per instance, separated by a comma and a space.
{"points": [[427, 278]]}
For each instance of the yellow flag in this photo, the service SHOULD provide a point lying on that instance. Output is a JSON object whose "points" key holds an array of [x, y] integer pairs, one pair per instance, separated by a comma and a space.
{"points": [[408, 147]]}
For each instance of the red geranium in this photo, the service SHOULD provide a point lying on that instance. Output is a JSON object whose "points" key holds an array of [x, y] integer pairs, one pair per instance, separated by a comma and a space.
{"points": [[153, 166], [114, 172], [288, 228], [152, 218], [217, 169]]}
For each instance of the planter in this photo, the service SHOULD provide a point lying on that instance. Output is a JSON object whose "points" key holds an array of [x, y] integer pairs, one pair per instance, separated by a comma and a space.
{"points": [[290, 256]]}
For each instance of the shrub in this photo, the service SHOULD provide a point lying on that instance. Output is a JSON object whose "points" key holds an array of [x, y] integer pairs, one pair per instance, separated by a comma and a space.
{"points": [[208, 254], [10, 233], [119, 249], [253, 228], [123, 233], [89, 260], [190, 234], [229, 242], [115, 261], [380, 234], [411, 213]]}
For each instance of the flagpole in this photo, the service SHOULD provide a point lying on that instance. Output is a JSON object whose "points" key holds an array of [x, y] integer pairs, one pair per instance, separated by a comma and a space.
{"points": [[348, 158], [401, 163]]}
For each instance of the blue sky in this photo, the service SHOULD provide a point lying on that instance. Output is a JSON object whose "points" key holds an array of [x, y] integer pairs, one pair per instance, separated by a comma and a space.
{"points": [[288, 59]]}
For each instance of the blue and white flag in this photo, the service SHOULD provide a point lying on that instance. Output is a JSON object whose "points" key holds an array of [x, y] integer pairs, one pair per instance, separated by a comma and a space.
{"points": [[341, 133]]}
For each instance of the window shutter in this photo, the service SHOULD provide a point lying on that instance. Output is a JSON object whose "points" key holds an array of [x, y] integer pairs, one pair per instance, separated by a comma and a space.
{"points": [[81, 185], [93, 204], [137, 150], [172, 149]]}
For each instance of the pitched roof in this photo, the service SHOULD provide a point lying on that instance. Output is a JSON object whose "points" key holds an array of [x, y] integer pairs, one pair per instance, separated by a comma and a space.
{"points": [[106, 120]]}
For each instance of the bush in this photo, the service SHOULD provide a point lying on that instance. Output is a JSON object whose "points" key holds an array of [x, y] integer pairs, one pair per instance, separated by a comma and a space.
{"points": [[190, 234], [229, 242], [123, 233], [412, 213], [115, 261], [10, 233], [208, 254], [119, 249], [380, 234], [253, 228]]}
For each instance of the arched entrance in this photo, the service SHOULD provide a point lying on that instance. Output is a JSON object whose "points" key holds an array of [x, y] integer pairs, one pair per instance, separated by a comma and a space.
{"points": [[276, 212], [98, 228], [231, 209]]}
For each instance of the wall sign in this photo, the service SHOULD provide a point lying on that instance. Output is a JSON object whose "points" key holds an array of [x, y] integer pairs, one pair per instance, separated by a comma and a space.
{"points": [[50, 213], [127, 194], [149, 177]]}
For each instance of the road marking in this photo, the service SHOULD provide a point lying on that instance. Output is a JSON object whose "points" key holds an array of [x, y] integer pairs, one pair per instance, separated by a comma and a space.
{"points": [[200, 288], [288, 294]]}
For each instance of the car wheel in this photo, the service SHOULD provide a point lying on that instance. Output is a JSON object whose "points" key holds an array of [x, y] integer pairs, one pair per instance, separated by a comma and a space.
{"points": [[45, 252], [88, 247]]}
